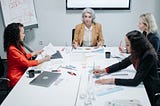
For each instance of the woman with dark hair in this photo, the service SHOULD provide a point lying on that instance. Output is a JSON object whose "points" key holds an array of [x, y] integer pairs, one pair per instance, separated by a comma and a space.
{"points": [[144, 59], [18, 59], [88, 33]]}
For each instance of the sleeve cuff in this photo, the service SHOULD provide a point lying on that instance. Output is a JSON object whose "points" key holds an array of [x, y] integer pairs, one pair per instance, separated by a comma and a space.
{"points": [[107, 69]]}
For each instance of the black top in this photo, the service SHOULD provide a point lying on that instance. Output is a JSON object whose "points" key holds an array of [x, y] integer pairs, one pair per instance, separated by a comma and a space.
{"points": [[154, 40], [146, 73]]}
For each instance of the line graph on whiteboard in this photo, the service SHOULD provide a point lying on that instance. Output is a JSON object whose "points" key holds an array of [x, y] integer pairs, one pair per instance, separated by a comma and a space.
{"points": [[22, 11]]}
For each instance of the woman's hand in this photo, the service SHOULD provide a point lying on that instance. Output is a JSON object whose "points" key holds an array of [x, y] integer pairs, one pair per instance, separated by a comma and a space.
{"points": [[99, 71], [44, 59], [37, 52], [99, 44], [74, 45], [105, 81], [121, 48]]}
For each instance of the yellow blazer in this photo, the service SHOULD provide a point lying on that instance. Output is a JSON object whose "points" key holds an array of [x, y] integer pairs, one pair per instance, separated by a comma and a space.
{"points": [[96, 34]]}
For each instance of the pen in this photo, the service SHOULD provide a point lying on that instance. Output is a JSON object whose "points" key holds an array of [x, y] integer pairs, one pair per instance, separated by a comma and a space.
{"points": [[71, 73], [93, 65], [69, 67], [118, 74], [72, 49], [62, 49]]}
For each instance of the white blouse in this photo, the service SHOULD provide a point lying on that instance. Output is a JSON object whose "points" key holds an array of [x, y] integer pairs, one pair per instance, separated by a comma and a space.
{"points": [[87, 39]]}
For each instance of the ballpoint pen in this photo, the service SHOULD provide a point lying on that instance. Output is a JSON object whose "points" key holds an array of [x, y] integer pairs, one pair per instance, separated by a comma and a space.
{"points": [[72, 49], [71, 73], [93, 65]]}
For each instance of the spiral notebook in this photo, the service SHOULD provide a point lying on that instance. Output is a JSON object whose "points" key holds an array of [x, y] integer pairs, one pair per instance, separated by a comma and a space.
{"points": [[45, 79]]}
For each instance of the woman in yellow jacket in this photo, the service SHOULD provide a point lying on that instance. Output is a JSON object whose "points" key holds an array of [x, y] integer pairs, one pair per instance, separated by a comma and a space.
{"points": [[88, 33]]}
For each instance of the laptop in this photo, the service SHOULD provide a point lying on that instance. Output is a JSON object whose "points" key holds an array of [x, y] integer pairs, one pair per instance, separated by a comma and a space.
{"points": [[45, 79]]}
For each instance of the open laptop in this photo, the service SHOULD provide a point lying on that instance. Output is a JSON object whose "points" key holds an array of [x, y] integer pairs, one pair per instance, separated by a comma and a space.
{"points": [[45, 79]]}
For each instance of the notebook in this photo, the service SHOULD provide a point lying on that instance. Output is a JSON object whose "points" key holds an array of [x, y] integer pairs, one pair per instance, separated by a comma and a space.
{"points": [[45, 79], [56, 55]]}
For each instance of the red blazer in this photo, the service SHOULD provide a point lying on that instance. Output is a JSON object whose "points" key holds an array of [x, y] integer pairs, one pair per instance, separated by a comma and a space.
{"points": [[18, 62]]}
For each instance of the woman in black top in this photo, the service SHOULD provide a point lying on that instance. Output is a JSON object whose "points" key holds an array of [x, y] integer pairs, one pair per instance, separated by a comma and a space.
{"points": [[144, 59], [147, 24]]}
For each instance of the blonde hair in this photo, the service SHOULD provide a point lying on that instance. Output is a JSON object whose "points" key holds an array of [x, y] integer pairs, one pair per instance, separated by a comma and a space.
{"points": [[149, 20]]}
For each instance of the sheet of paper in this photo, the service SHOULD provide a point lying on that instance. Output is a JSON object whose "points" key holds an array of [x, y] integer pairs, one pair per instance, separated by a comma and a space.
{"points": [[49, 50], [126, 102], [88, 50], [104, 89]]}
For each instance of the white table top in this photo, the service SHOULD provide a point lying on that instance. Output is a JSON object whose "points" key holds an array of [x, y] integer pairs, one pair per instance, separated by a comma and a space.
{"points": [[68, 89]]}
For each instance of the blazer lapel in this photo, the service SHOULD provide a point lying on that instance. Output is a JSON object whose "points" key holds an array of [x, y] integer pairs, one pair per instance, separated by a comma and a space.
{"points": [[93, 33], [82, 34]]}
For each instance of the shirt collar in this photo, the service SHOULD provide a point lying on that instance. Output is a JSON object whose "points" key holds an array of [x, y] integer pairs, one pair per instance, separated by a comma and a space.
{"points": [[88, 29]]}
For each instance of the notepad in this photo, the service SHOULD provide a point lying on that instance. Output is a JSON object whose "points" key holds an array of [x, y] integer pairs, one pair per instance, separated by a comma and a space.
{"points": [[125, 102], [106, 91], [88, 50], [56, 55], [45, 79]]}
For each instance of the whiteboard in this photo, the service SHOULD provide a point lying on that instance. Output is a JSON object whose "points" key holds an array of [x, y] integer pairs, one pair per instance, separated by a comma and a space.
{"points": [[21, 11], [98, 4]]}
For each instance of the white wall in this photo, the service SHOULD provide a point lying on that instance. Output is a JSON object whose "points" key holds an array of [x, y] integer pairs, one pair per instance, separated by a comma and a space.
{"points": [[55, 23]]}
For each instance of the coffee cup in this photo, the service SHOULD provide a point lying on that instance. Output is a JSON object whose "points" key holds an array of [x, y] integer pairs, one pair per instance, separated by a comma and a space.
{"points": [[107, 54], [31, 73]]}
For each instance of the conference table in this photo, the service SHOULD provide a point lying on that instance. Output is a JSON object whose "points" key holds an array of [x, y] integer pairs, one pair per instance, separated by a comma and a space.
{"points": [[78, 89]]}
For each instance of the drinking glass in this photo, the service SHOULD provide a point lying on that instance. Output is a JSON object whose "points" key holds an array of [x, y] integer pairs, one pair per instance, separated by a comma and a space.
{"points": [[90, 90], [67, 50]]}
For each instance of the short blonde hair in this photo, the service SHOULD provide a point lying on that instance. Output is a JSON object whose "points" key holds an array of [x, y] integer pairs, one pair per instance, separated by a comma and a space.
{"points": [[149, 20], [91, 11]]}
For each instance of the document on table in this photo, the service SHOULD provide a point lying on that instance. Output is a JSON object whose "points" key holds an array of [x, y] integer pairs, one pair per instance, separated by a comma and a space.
{"points": [[126, 102], [49, 50], [105, 89], [88, 50]]}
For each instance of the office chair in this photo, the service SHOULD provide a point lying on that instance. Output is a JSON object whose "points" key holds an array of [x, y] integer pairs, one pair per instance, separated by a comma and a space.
{"points": [[4, 81], [157, 95], [158, 69], [73, 30], [157, 98]]}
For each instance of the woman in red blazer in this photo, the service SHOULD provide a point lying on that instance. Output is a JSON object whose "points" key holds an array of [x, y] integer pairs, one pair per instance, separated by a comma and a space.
{"points": [[18, 59]]}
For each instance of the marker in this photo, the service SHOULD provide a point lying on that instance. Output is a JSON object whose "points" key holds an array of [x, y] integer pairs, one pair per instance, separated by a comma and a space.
{"points": [[71, 73], [62, 49], [54, 70]]}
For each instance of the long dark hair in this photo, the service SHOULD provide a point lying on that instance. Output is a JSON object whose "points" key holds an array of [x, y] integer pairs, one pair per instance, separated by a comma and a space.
{"points": [[12, 36], [139, 44]]}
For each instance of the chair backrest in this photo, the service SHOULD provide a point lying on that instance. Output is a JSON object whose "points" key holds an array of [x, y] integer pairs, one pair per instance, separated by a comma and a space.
{"points": [[1, 67], [73, 30]]}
